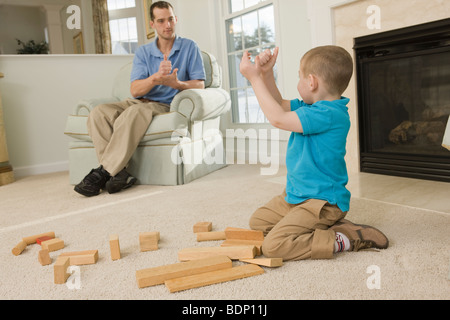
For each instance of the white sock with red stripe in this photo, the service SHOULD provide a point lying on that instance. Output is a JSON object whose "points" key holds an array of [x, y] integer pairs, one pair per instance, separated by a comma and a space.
{"points": [[342, 243]]}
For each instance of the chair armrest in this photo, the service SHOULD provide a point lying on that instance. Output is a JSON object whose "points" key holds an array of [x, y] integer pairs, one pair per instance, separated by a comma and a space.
{"points": [[201, 104], [86, 105]]}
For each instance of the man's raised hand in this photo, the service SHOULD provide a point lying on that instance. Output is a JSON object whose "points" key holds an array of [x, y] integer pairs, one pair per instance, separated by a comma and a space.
{"points": [[165, 67]]}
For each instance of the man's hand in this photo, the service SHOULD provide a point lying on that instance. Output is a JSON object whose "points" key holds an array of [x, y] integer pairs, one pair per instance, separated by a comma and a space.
{"points": [[171, 80], [165, 76], [165, 67]]}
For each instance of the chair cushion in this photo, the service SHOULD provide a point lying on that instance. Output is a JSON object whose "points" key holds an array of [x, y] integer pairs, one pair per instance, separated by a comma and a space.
{"points": [[122, 83], [167, 125], [212, 70], [164, 125]]}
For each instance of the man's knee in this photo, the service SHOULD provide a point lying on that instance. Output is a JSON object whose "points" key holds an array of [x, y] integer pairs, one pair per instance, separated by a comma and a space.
{"points": [[99, 112]]}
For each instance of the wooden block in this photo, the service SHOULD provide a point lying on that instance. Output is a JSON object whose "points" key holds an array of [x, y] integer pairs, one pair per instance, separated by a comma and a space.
{"points": [[42, 239], [213, 277], [148, 241], [44, 257], [237, 242], [234, 253], [155, 276], [18, 249], [202, 227], [210, 236], [114, 247], [78, 258], [267, 262], [32, 239], [244, 234], [60, 270], [53, 244]]}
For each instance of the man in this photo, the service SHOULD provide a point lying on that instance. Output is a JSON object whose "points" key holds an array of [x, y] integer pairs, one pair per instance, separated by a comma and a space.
{"points": [[160, 70]]}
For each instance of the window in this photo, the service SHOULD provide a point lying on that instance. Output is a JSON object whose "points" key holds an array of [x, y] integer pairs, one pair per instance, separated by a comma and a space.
{"points": [[250, 26], [121, 4], [123, 26]]}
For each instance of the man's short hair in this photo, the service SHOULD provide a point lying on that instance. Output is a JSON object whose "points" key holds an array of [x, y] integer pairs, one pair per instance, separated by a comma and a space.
{"points": [[333, 64], [160, 5]]}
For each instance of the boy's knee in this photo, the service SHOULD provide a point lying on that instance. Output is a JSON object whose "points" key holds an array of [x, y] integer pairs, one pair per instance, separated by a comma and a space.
{"points": [[271, 248], [254, 223], [258, 223]]}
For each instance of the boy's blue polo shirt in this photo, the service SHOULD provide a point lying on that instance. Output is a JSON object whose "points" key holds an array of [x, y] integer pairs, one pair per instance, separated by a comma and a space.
{"points": [[315, 158], [185, 55]]}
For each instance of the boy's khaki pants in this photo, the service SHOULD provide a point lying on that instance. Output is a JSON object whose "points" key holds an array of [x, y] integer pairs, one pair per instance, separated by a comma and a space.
{"points": [[297, 232], [117, 128]]}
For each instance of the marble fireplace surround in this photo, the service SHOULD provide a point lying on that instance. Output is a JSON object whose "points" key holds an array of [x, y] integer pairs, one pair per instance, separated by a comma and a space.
{"points": [[349, 20]]}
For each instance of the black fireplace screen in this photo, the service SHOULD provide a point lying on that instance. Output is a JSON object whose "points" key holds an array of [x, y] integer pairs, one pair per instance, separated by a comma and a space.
{"points": [[403, 84]]}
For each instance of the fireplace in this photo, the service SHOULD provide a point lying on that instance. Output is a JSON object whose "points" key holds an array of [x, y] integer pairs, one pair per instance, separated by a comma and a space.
{"points": [[403, 87]]}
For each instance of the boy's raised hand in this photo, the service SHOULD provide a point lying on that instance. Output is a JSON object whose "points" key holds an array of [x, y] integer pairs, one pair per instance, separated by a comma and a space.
{"points": [[247, 68], [263, 65], [266, 60]]}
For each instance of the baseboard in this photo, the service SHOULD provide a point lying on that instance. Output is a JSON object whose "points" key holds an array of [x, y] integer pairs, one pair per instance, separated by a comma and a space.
{"points": [[41, 169]]}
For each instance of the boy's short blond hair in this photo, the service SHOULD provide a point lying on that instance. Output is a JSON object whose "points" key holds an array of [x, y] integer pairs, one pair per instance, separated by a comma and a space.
{"points": [[332, 64]]}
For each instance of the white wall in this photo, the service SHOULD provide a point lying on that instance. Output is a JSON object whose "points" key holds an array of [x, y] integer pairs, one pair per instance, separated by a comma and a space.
{"points": [[38, 93], [196, 21]]}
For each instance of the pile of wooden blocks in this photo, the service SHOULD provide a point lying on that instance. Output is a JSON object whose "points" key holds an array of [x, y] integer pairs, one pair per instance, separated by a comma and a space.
{"points": [[148, 241], [50, 243], [201, 266], [197, 266]]}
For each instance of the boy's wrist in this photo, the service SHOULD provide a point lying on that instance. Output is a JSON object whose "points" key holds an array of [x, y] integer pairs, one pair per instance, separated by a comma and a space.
{"points": [[267, 74], [255, 79]]}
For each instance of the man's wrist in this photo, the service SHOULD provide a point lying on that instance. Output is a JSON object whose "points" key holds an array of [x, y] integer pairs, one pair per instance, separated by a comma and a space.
{"points": [[179, 85], [154, 80]]}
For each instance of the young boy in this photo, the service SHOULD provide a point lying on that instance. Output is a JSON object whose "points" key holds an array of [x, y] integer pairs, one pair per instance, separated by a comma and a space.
{"points": [[307, 220]]}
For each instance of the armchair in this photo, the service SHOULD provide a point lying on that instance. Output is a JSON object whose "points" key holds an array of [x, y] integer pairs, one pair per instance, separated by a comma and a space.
{"points": [[175, 148]]}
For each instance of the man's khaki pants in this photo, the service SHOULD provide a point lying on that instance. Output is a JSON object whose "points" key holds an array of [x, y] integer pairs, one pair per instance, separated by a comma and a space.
{"points": [[297, 232], [117, 128]]}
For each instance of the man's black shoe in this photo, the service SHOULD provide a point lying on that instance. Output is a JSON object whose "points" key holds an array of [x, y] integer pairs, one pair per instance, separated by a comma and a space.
{"points": [[92, 184], [120, 181]]}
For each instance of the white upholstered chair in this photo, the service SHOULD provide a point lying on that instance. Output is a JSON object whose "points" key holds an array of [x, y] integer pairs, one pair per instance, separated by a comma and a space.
{"points": [[178, 146]]}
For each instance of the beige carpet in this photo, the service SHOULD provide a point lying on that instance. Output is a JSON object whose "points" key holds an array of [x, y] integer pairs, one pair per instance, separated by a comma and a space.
{"points": [[415, 266]]}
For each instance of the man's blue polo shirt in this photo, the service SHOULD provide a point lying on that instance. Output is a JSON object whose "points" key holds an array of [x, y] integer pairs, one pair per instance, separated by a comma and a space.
{"points": [[185, 55], [315, 158]]}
